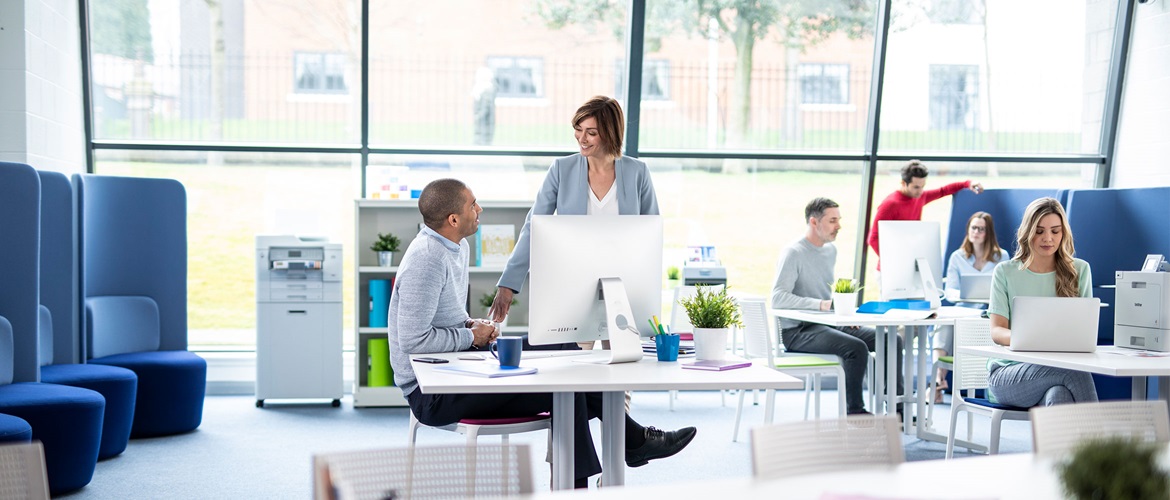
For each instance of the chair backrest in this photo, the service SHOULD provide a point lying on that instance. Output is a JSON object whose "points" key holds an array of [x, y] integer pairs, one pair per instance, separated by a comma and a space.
{"points": [[757, 336], [1057, 430], [59, 266], [970, 372], [133, 242], [22, 472], [20, 227], [424, 472], [814, 446]]}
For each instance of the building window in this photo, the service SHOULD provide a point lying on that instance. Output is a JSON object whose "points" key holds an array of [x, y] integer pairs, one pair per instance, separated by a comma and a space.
{"points": [[318, 73], [956, 11], [954, 96], [823, 83], [518, 76], [655, 79]]}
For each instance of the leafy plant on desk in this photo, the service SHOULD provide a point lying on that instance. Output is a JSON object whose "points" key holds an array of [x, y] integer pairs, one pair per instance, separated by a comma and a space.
{"points": [[710, 309], [1115, 468], [845, 285], [386, 243]]}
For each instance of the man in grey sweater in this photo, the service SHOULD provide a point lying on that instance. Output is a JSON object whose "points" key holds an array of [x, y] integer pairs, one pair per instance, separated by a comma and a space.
{"points": [[803, 279], [427, 315]]}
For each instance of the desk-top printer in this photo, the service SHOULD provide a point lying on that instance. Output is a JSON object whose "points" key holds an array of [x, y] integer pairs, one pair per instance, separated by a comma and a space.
{"points": [[707, 274], [1142, 318], [298, 318]]}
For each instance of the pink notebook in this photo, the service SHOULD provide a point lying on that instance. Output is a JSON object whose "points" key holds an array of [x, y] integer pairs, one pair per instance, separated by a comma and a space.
{"points": [[717, 365]]}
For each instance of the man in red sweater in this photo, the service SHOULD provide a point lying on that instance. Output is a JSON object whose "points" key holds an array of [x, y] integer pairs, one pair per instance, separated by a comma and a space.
{"points": [[906, 203]]}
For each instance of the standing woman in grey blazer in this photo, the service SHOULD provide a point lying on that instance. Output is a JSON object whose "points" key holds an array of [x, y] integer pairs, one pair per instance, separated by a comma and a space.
{"points": [[598, 180]]}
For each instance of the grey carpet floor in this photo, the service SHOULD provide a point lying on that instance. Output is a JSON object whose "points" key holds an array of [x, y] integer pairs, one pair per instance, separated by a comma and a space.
{"points": [[241, 451]]}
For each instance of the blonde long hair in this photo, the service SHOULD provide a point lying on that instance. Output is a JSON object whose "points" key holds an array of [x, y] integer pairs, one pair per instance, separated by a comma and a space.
{"points": [[1067, 281]]}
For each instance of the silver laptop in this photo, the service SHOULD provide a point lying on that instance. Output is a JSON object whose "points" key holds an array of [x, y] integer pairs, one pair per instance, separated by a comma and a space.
{"points": [[975, 287], [1055, 324]]}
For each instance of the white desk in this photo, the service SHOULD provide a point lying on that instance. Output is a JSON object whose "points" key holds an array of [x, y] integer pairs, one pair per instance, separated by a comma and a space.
{"points": [[886, 327], [563, 377], [1009, 476], [1106, 360]]}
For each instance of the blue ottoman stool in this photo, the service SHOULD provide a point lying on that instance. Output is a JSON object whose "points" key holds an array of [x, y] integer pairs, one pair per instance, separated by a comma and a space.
{"points": [[171, 385], [67, 421], [14, 430], [117, 385]]}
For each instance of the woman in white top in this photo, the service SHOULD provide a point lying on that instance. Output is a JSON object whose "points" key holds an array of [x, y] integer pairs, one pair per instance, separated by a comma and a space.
{"points": [[979, 254]]}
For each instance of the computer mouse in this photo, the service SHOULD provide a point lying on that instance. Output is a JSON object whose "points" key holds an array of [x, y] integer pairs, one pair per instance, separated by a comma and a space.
{"points": [[471, 357]]}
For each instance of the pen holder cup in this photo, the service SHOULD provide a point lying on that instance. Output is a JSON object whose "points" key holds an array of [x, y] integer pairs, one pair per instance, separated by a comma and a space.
{"points": [[666, 345]]}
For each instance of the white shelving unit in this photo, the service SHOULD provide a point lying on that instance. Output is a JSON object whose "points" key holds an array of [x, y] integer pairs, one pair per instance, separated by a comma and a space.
{"points": [[401, 217]]}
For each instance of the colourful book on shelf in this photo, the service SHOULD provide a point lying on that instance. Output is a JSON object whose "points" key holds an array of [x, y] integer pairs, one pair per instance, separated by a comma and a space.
{"points": [[717, 365], [494, 243], [489, 370]]}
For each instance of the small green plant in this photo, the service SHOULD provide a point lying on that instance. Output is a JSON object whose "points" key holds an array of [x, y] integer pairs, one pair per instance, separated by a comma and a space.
{"points": [[672, 273], [1114, 468], [386, 243], [487, 299], [845, 285], [710, 309]]}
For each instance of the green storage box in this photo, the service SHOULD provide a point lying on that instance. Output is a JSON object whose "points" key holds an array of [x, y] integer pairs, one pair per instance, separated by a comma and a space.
{"points": [[380, 374]]}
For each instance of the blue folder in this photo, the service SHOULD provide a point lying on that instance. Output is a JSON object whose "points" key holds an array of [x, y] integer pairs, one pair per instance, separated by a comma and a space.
{"points": [[879, 307]]}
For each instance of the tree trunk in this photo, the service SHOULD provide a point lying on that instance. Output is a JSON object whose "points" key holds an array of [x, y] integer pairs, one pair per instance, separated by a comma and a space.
{"points": [[215, 12], [991, 144], [741, 90]]}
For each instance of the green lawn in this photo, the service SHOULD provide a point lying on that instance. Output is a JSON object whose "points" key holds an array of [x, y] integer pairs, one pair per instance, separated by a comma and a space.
{"points": [[749, 217]]}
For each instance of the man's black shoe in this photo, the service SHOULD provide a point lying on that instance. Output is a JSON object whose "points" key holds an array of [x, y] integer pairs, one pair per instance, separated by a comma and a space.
{"points": [[659, 444]]}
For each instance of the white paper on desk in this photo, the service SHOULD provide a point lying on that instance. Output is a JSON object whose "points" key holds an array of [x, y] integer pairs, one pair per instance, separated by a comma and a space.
{"points": [[908, 313], [1137, 353]]}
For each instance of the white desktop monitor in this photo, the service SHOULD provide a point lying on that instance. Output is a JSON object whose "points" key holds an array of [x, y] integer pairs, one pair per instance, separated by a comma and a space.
{"points": [[571, 253], [902, 244]]}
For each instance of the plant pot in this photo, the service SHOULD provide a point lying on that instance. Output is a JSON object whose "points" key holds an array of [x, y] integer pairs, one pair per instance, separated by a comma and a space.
{"points": [[845, 303], [672, 284], [385, 259], [710, 343]]}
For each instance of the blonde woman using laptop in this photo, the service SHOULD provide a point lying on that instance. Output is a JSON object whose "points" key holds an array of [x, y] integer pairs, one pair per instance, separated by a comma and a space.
{"points": [[1044, 266], [978, 255]]}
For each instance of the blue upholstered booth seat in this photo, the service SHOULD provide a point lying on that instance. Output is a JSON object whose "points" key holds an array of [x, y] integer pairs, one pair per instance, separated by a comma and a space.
{"points": [[14, 429], [171, 385], [117, 385], [67, 421]]}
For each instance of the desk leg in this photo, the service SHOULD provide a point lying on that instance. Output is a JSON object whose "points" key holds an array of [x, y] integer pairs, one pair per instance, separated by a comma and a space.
{"points": [[1138, 391], [891, 394], [613, 435], [562, 442], [925, 373], [878, 384]]}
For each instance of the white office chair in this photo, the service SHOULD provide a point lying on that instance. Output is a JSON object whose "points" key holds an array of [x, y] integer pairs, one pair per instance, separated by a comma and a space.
{"points": [[970, 373], [423, 472], [815, 446], [1057, 430], [22, 471], [757, 343], [472, 428]]}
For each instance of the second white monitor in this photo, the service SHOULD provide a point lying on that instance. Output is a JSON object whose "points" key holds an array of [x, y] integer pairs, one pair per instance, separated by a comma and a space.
{"points": [[902, 244]]}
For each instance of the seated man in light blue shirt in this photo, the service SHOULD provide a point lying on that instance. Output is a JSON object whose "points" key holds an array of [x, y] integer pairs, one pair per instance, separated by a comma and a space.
{"points": [[803, 281], [427, 315]]}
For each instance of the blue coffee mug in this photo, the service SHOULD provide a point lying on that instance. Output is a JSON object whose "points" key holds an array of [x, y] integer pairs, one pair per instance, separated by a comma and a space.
{"points": [[509, 351]]}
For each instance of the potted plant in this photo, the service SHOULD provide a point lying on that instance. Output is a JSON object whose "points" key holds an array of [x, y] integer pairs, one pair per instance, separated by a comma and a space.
{"points": [[712, 314], [845, 295], [486, 301], [672, 277], [385, 245], [1115, 468]]}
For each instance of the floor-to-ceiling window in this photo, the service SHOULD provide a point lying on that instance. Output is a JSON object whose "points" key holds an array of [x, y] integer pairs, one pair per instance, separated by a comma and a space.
{"points": [[745, 111]]}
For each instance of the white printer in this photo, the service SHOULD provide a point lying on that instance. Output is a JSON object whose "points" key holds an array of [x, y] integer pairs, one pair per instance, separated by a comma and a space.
{"points": [[1142, 317], [298, 319]]}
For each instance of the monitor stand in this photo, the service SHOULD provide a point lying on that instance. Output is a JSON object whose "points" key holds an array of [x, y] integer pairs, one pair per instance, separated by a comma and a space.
{"points": [[625, 343], [930, 290]]}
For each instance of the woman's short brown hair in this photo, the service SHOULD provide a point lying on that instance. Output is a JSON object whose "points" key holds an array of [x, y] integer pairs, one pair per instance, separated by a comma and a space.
{"points": [[611, 123]]}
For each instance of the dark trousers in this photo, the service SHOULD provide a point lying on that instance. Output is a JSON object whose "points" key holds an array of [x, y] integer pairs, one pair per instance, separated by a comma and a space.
{"points": [[445, 409], [853, 344]]}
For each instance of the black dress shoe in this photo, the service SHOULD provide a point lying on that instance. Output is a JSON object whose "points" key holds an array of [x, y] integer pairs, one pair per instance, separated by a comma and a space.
{"points": [[659, 444]]}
